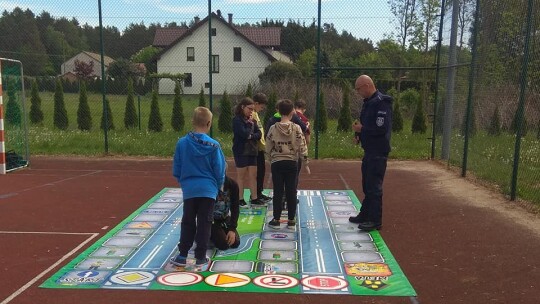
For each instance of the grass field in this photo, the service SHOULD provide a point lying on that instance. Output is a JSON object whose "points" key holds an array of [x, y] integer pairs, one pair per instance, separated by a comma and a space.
{"points": [[490, 158]]}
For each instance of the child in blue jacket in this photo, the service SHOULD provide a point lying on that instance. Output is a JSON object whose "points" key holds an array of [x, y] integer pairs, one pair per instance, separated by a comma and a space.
{"points": [[199, 166]]}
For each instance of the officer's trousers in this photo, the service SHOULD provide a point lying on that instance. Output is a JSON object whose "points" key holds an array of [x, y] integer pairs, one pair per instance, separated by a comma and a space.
{"points": [[373, 170]]}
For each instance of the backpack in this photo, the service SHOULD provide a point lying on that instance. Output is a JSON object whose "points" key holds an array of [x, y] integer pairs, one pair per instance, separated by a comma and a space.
{"points": [[222, 206]]}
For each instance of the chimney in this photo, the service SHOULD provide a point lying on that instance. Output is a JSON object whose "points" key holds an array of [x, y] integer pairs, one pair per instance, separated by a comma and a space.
{"points": [[230, 18], [197, 19], [218, 12]]}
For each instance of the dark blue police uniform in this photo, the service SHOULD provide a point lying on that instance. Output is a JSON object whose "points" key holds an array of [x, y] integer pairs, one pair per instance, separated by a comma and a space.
{"points": [[376, 120]]}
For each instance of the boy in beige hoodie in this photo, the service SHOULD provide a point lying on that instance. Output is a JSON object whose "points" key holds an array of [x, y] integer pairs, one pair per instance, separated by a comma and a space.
{"points": [[285, 142]]}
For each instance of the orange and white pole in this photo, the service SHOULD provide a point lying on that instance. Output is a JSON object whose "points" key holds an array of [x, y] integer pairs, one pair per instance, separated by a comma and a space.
{"points": [[2, 136]]}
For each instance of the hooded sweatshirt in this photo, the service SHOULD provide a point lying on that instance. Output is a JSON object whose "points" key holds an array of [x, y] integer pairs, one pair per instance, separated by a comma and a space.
{"points": [[285, 141], [199, 165]]}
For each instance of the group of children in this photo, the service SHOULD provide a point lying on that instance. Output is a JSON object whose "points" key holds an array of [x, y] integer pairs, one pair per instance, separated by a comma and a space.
{"points": [[211, 199]]}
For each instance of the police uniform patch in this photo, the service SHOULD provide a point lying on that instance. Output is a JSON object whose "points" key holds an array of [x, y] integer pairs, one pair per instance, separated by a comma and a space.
{"points": [[380, 121]]}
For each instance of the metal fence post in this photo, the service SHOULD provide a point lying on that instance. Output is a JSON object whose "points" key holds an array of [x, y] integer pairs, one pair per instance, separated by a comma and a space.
{"points": [[521, 105]]}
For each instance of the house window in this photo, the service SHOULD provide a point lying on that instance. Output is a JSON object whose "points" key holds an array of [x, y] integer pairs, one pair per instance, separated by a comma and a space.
{"points": [[215, 63], [207, 85], [237, 54], [188, 81], [214, 31], [190, 54]]}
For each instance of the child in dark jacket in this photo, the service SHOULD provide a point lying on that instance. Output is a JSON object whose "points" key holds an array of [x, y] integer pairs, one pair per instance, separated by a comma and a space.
{"points": [[199, 166], [226, 213]]}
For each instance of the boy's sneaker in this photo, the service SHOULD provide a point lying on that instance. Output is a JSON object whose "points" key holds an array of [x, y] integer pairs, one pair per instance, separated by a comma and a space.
{"points": [[179, 261], [257, 202], [265, 198], [202, 262], [243, 204], [274, 224], [291, 224]]}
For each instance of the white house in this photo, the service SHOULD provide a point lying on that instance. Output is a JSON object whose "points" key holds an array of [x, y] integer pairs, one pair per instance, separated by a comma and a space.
{"points": [[240, 54], [87, 57]]}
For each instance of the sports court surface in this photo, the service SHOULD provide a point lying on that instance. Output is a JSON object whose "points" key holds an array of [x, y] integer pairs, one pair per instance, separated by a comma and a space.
{"points": [[450, 249]]}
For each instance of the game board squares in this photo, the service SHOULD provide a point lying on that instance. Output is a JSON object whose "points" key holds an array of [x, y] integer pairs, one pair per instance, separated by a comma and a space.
{"points": [[362, 257], [134, 232], [337, 198], [281, 245], [341, 208], [164, 205], [357, 246], [277, 255], [123, 241], [272, 267], [112, 252], [99, 263], [232, 266], [278, 235], [354, 237], [150, 218], [348, 227]]}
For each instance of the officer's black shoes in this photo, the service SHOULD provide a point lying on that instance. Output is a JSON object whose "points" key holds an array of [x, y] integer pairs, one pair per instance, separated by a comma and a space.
{"points": [[356, 219], [368, 226]]}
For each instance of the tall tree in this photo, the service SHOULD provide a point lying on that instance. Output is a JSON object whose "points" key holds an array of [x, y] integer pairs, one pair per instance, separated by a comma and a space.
{"points": [[345, 117], [107, 122], [177, 119], [225, 114], [406, 20], [60, 113], [130, 113], [202, 100], [36, 114], [13, 110], [84, 117], [155, 123]]}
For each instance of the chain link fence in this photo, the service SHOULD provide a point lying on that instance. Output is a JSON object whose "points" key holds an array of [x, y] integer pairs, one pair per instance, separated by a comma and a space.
{"points": [[458, 83]]}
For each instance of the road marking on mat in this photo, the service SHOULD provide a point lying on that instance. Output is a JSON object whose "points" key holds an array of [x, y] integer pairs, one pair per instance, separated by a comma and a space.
{"points": [[44, 272]]}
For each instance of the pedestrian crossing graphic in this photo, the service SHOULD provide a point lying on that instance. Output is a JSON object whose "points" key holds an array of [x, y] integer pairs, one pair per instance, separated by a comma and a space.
{"points": [[322, 254]]}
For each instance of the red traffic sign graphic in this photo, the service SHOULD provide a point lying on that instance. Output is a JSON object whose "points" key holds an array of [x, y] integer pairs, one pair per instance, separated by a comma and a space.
{"points": [[324, 283], [275, 281]]}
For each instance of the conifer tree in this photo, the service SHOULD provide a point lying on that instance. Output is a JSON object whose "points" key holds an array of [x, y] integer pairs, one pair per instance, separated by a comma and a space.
{"points": [[60, 113], [419, 120], [155, 123], [495, 128], [109, 122], [225, 114], [270, 107], [345, 117], [13, 111], [249, 91], [321, 122], [36, 114], [202, 100], [130, 114], [177, 119], [84, 117], [538, 134], [397, 118]]}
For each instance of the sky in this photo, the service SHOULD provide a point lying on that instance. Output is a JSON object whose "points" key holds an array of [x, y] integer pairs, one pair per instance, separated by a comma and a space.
{"points": [[363, 18]]}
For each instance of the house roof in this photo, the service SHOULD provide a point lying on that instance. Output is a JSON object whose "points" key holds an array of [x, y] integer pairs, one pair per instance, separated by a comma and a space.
{"points": [[261, 36], [108, 60], [167, 35], [257, 35]]}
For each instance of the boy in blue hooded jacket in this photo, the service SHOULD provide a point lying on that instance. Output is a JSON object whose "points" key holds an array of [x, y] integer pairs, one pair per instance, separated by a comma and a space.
{"points": [[199, 166]]}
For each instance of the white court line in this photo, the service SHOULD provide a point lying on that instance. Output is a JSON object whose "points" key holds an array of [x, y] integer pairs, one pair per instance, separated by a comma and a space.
{"points": [[39, 276], [344, 182]]}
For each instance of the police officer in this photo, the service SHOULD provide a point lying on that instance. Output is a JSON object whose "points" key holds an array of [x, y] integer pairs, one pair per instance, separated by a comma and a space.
{"points": [[373, 132]]}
